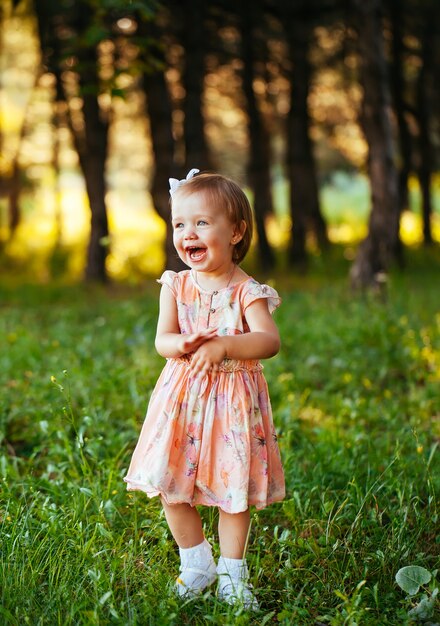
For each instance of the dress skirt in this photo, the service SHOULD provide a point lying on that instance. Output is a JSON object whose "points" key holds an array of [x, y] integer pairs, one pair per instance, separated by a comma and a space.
{"points": [[209, 440]]}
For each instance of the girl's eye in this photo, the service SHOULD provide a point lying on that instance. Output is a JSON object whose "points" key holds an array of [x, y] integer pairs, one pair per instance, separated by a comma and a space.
{"points": [[201, 223], [178, 225]]}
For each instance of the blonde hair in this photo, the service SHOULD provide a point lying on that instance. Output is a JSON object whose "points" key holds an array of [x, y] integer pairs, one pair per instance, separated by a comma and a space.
{"points": [[224, 194]]}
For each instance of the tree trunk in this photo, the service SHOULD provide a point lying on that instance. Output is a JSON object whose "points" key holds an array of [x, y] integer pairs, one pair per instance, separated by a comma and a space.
{"points": [[58, 122], [304, 197], [14, 198], [259, 159], [91, 145], [14, 183], [194, 42], [426, 157], [397, 83], [90, 137], [5, 180], [94, 172], [377, 250], [159, 112]]}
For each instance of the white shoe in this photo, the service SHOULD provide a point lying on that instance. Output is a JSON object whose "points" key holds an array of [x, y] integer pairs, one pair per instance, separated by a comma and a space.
{"points": [[197, 570], [234, 587]]}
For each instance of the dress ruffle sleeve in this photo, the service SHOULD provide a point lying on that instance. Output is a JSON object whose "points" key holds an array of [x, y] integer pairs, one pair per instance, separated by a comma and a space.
{"points": [[169, 278], [255, 291]]}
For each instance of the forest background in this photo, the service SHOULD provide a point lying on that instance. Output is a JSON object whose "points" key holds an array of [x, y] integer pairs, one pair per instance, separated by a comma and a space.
{"points": [[327, 112], [308, 111]]}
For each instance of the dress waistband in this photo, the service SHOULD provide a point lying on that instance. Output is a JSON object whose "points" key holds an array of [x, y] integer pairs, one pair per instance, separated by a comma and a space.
{"points": [[227, 365]]}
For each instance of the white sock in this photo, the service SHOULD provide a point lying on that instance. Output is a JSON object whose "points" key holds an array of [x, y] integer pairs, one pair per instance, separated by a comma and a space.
{"points": [[232, 569], [197, 569], [233, 583]]}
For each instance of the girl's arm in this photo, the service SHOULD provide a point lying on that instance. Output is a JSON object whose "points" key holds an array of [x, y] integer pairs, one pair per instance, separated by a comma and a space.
{"points": [[262, 342], [170, 343]]}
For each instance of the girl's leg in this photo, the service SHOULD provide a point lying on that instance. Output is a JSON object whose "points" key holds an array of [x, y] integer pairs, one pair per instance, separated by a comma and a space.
{"points": [[185, 524], [197, 567], [233, 530], [232, 568]]}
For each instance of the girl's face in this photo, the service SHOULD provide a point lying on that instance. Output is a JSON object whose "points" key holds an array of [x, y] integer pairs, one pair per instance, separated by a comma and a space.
{"points": [[203, 236]]}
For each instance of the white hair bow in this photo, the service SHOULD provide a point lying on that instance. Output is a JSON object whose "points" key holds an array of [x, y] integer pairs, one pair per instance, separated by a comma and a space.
{"points": [[175, 183]]}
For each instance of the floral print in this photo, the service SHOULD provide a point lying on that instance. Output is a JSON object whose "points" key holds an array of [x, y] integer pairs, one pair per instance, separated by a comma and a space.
{"points": [[210, 441]]}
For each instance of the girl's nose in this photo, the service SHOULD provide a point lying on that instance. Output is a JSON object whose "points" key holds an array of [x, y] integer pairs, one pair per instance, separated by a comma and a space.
{"points": [[190, 233]]}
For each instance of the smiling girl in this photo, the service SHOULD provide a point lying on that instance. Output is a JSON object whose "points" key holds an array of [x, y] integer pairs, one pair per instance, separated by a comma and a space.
{"points": [[208, 437]]}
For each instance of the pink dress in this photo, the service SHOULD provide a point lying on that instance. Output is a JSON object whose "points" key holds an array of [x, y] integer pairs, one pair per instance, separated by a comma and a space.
{"points": [[210, 440]]}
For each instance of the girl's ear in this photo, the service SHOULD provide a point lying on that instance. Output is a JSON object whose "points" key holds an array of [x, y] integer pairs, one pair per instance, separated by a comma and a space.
{"points": [[239, 231]]}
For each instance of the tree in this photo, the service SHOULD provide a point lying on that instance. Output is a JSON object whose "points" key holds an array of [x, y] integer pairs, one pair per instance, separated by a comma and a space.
{"points": [[91, 140], [71, 34], [377, 251], [67, 34], [424, 89], [193, 39], [10, 177], [398, 88], [259, 152], [159, 110], [299, 21]]}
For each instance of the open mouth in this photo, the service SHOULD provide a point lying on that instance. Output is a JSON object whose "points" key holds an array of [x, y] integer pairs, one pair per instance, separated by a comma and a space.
{"points": [[196, 253]]}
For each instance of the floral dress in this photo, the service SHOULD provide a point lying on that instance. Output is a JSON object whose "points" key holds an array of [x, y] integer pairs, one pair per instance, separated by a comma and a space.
{"points": [[210, 440]]}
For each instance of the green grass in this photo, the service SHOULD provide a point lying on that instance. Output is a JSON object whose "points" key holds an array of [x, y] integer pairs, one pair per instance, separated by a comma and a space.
{"points": [[355, 393]]}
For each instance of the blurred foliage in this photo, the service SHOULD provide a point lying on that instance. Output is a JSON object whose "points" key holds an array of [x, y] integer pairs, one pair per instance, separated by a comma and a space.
{"points": [[39, 252], [54, 230]]}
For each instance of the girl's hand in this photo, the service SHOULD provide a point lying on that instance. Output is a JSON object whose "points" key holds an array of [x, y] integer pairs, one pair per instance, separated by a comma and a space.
{"points": [[208, 357], [190, 343]]}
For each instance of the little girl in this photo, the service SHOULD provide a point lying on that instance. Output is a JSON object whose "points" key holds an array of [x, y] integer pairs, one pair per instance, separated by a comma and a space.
{"points": [[208, 437]]}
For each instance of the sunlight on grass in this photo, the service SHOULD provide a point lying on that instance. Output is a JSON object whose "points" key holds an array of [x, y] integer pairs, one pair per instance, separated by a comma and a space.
{"points": [[411, 228], [137, 242], [278, 230]]}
